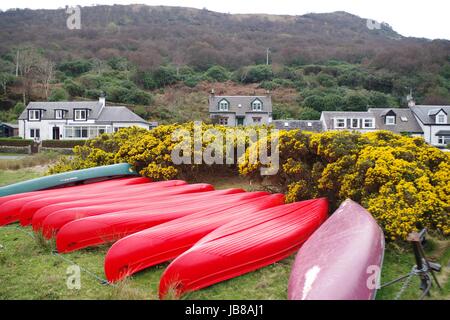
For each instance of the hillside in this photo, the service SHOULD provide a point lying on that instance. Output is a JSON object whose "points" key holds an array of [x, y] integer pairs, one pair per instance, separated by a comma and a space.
{"points": [[144, 55]]}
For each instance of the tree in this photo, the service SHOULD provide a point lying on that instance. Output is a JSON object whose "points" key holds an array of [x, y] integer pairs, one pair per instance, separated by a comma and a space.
{"points": [[164, 76], [5, 80], [58, 94], [217, 73], [254, 74], [355, 102], [73, 88], [306, 113], [74, 68]]}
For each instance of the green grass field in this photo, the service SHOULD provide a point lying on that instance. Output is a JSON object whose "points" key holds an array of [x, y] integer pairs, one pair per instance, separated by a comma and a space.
{"points": [[29, 270]]}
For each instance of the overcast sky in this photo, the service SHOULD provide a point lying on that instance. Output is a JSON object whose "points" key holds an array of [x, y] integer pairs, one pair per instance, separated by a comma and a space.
{"points": [[417, 18]]}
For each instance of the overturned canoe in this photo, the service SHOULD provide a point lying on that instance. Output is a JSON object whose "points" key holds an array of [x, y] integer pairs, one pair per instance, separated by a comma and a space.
{"points": [[10, 206], [65, 178], [54, 222], [166, 241], [244, 245], [111, 227], [90, 197], [85, 185], [342, 260]]}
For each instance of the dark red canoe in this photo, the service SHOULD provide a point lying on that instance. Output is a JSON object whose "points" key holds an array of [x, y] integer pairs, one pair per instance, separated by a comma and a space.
{"points": [[342, 260], [244, 245]]}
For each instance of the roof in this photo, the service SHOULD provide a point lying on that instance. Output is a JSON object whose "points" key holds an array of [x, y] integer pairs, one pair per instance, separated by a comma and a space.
{"points": [[426, 114], [50, 107], [304, 125], [445, 133], [11, 125], [240, 104], [410, 125], [119, 114], [379, 114]]}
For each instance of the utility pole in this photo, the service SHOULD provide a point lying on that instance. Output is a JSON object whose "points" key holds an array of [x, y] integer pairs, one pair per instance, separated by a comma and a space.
{"points": [[17, 63], [267, 56]]}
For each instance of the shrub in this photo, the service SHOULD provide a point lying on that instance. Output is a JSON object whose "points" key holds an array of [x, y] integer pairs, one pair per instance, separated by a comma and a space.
{"points": [[14, 142], [73, 88], [253, 74], [75, 67], [164, 76], [58, 94], [62, 143], [402, 181], [217, 73]]}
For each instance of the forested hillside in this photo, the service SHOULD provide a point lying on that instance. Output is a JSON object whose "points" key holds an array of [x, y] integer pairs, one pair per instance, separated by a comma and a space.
{"points": [[162, 61]]}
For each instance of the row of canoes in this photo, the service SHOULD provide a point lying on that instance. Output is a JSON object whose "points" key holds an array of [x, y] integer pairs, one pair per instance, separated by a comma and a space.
{"points": [[211, 235]]}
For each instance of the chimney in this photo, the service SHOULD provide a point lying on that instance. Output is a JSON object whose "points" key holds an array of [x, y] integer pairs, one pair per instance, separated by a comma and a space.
{"points": [[410, 99], [102, 99], [212, 92]]}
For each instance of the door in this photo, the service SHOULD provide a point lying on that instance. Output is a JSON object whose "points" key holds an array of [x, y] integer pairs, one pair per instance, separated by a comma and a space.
{"points": [[240, 121], [55, 133]]}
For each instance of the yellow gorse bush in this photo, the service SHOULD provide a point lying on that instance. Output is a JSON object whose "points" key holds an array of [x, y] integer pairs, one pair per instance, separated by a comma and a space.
{"points": [[402, 181]]}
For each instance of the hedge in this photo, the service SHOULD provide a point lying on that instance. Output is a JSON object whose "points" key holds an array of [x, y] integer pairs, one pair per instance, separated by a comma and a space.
{"points": [[15, 142], [62, 143]]}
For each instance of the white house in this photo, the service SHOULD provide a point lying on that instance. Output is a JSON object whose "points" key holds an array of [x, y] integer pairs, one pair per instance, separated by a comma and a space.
{"points": [[435, 123], [240, 110], [75, 120]]}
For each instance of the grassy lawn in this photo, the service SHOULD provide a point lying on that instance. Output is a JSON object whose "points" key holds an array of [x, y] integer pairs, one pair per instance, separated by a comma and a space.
{"points": [[28, 269]]}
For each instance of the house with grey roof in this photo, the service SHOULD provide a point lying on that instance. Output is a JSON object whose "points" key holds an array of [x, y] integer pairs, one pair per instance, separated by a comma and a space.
{"points": [[240, 110], [75, 120], [304, 125], [397, 120], [435, 123], [8, 130]]}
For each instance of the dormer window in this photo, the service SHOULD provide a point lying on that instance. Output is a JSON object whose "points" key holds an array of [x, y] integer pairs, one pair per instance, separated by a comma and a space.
{"points": [[59, 114], [354, 123], [257, 105], [390, 120], [34, 115], [80, 115], [441, 118], [223, 105]]}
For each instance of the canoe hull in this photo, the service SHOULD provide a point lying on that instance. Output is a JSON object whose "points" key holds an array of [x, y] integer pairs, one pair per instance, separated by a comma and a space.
{"points": [[342, 260], [71, 177]]}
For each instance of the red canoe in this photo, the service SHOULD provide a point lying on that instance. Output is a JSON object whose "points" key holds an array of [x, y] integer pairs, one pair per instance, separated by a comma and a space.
{"points": [[342, 260], [52, 223], [28, 209], [166, 241], [111, 227], [9, 210], [118, 204], [61, 190], [244, 245]]}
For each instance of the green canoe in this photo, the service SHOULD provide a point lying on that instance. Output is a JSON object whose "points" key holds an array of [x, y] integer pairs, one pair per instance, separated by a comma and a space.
{"points": [[65, 178]]}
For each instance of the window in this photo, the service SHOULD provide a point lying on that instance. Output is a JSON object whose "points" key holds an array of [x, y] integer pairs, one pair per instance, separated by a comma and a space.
{"points": [[35, 133], [444, 140], [441, 118], [286, 124], [78, 132], [257, 105], [59, 114], [309, 124], [223, 105], [354, 123], [34, 115], [223, 121], [404, 119], [80, 115], [256, 119], [340, 123], [390, 120], [369, 123]]}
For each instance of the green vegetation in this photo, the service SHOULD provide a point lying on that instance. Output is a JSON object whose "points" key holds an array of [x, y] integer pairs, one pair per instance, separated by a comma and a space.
{"points": [[28, 270], [28, 161]]}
